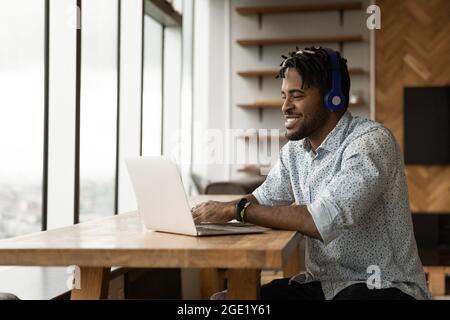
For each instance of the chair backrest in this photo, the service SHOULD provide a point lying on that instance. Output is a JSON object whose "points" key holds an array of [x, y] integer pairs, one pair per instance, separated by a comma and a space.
{"points": [[225, 188], [242, 186], [8, 296]]}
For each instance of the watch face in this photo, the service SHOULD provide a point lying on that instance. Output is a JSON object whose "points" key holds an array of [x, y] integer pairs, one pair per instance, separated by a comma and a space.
{"points": [[239, 208]]}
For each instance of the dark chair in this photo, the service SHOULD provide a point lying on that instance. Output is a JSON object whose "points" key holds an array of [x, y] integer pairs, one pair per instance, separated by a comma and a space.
{"points": [[224, 188], [244, 186], [8, 296]]}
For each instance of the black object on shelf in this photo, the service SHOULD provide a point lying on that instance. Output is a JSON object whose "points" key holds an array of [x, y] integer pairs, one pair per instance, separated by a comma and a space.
{"points": [[427, 125], [432, 233]]}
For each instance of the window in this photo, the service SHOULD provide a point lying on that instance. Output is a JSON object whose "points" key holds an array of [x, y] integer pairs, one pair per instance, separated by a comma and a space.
{"points": [[22, 71], [23, 138], [98, 111], [152, 91]]}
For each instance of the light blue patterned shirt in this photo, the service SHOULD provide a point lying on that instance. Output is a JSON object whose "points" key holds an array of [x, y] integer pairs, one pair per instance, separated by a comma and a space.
{"points": [[354, 186]]}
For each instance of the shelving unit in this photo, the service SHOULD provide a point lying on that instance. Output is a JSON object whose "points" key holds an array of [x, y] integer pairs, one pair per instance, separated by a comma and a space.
{"points": [[331, 38]]}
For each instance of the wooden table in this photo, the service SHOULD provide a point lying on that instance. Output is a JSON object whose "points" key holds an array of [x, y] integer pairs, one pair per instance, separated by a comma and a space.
{"points": [[98, 245]]}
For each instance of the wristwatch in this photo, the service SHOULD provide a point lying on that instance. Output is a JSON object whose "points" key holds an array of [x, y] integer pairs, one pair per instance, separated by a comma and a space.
{"points": [[241, 206]]}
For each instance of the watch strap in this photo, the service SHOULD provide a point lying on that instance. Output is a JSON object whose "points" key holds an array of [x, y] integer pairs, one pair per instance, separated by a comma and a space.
{"points": [[239, 207]]}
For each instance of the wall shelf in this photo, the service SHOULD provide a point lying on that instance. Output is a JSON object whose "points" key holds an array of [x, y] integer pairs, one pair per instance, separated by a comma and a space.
{"points": [[325, 7], [272, 73], [261, 136], [255, 169], [264, 104], [298, 40], [261, 42], [276, 104]]}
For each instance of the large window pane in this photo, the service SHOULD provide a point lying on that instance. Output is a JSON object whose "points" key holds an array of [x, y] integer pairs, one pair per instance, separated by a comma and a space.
{"points": [[98, 113], [21, 115], [152, 96]]}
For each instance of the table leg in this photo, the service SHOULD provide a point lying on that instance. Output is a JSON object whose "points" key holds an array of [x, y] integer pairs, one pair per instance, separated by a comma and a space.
{"points": [[243, 284], [211, 280], [291, 265], [436, 280], [94, 284]]}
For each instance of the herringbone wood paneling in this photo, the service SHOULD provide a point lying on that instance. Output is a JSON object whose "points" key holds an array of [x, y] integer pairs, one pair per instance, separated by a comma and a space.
{"points": [[413, 49], [429, 188]]}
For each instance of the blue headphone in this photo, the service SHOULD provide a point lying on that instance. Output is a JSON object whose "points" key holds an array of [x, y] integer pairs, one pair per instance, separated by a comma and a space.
{"points": [[334, 99]]}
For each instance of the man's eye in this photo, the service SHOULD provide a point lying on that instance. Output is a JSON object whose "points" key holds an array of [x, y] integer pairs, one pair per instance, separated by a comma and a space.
{"points": [[283, 98], [298, 97]]}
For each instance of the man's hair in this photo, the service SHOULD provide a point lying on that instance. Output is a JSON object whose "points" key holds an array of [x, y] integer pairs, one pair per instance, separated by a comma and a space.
{"points": [[314, 67]]}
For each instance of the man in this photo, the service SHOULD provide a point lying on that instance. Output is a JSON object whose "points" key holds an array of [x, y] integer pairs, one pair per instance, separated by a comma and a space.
{"points": [[346, 178]]}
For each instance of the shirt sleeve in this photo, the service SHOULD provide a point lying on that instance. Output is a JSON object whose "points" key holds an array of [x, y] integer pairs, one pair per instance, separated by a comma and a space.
{"points": [[368, 164], [276, 189]]}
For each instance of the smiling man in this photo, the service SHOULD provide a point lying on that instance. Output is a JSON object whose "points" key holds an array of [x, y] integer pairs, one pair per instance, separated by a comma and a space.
{"points": [[340, 182]]}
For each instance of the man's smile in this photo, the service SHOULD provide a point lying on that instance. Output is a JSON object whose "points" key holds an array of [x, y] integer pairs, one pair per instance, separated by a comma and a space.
{"points": [[291, 121]]}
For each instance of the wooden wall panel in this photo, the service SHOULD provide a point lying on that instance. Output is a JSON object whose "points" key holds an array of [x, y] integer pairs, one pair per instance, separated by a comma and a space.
{"points": [[413, 49], [429, 188]]}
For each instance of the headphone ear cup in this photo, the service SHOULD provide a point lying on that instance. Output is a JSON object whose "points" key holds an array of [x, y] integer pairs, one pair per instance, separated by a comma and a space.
{"points": [[334, 101]]}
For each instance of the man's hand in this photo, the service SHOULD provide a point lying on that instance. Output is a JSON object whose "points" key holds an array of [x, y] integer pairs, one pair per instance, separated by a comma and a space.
{"points": [[213, 211]]}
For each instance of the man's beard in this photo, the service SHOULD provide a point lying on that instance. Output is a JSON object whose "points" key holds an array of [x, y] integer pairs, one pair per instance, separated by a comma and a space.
{"points": [[309, 125]]}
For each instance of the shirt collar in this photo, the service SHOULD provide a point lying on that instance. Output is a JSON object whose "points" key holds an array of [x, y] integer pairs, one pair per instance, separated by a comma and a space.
{"points": [[334, 138]]}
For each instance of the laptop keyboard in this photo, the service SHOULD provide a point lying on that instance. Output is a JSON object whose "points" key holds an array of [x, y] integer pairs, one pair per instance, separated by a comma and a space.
{"points": [[214, 227]]}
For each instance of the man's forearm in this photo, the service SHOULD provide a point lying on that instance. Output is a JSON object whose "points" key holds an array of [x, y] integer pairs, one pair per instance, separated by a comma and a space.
{"points": [[286, 218], [218, 212]]}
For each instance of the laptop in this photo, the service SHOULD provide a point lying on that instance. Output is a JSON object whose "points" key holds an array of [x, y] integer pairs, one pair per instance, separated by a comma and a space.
{"points": [[162, 201]]}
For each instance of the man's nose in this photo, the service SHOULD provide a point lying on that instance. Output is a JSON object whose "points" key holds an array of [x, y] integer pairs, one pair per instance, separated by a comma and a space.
{"points": [[286, 106]]}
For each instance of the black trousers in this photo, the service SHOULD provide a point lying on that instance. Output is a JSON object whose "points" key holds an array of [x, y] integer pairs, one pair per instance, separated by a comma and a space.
{"points": [[280, 289]]}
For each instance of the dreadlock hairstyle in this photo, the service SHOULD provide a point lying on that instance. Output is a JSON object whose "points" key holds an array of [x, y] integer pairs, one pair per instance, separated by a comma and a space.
{"points": [[314, 67]]}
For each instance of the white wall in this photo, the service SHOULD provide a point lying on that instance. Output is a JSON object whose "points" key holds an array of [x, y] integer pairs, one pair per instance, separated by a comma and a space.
{"points": [[211, 69], [130, 97], [172, 88]]}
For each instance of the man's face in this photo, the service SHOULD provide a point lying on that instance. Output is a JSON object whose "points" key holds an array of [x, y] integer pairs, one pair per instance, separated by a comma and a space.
{"points": [[302, 108]]}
